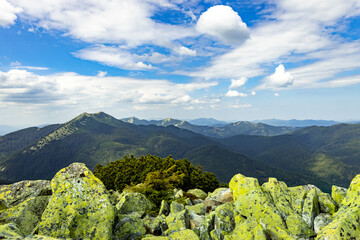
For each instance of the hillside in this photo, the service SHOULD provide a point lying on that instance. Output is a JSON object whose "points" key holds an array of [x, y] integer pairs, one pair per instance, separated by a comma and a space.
{"points": [[297, 123], [327, 153], [100, 138], [222, 131]]}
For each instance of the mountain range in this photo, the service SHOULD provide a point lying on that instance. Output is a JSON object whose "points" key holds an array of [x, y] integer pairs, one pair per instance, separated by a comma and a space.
{"points": [[322, 156], [219, 131]]}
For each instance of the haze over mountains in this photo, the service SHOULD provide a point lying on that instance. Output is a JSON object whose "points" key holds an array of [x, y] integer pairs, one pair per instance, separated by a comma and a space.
{"points": [[319, 155]]}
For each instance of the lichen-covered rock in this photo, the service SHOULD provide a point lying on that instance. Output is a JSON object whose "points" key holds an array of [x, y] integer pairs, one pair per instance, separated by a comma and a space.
{"points": [[311, 207], [129, 228], [327, 204], [179, 194], [176, 207], [207, 226], [188, 202], [40, 237], [156, 238], [198, 193], [298, 195], [134, 203], [280, 196], [346, 221], [79, 206], [321, 221], [338, 194], [298, 228], [27, 214], [159, 225], [247, 230], [186, 234], [224, 222], [10, 231], [252, 202], [177, 221], [13, 194], [164, 208], [199, 209], [195, 220], [218, 197]]}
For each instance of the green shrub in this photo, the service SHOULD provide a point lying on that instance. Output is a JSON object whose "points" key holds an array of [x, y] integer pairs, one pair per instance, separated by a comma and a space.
{"points": [[157, 175]]}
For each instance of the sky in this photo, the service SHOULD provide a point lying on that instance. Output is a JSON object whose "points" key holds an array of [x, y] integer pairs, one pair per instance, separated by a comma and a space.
{"points": [[229, 60]]}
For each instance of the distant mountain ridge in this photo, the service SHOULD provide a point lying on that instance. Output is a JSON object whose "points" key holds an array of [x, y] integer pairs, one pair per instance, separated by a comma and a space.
{"points": [[228, 130], [297, 123]]}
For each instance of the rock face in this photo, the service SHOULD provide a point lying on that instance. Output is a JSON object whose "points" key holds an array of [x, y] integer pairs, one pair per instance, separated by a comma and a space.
{"points": [[79, 206], [76, 205]]}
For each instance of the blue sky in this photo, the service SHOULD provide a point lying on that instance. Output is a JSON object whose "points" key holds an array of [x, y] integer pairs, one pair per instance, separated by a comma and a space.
{"points": [[230, 60]]}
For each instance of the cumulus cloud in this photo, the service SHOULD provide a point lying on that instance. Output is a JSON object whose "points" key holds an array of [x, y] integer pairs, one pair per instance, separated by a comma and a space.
{"points": [[8, 13], [233, 93], [224, 23], [64, 89], [276, 94], [238, 83], [280, 79], [293, 32]]}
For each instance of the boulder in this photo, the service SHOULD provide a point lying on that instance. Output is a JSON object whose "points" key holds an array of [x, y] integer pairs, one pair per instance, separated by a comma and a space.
{"points": [[298, 228], [164, 208], [252, 202], [338, 194], [156, 238], [10, 231], [311, 207], [134, 203], [177, 221], [247, 230], [321, 221], [218, 197], [27, 214], [14, 194], [176, 207], [158, 226], [224, 221], [186, 234], [129, 228], [79, 207], [179, 194], [326, 203], [207, 226], [298, 195], [198, 193], [346, 221], [199, 209], [188, 202]]}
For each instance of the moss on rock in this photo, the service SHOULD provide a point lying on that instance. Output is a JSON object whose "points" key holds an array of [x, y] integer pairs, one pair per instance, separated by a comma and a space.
{"points": [[134, 203], [338, 194], [129, 228], [79, 207]]}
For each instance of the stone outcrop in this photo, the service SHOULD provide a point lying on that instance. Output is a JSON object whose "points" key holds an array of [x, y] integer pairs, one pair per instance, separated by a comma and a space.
{"points": [[76, 205], [79, 207]]}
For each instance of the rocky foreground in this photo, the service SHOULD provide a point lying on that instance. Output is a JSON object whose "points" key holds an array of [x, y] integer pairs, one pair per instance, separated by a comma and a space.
{"points": [[76, 205]]}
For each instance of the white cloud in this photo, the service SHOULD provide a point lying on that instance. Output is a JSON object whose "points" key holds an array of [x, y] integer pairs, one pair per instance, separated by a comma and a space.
{"points": [[185, 51], [224, 23], [239, 106], [276, 94], [113, 56], [238, 83], [295, 30], [253, 93], [83, 92], [8, 13], [101, 73], [280, 79], [17, 64], [126, 21], [233, 93]]}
